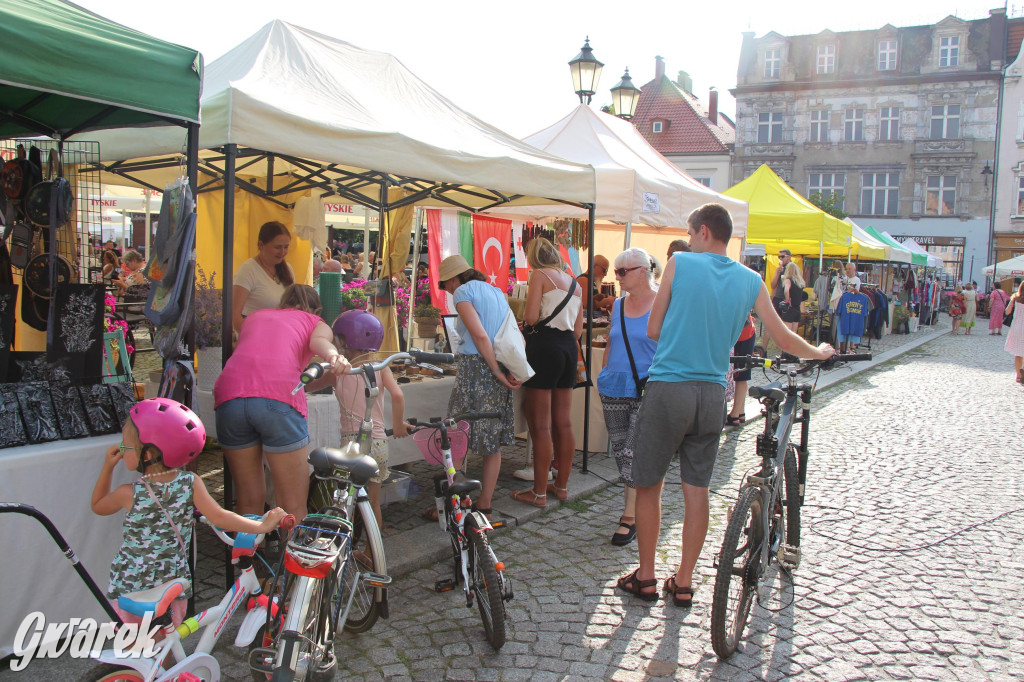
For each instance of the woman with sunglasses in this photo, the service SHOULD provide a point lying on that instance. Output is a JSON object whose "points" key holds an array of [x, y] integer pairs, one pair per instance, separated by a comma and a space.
{"points": [[554, 312], [620, 390], [256, 412]]}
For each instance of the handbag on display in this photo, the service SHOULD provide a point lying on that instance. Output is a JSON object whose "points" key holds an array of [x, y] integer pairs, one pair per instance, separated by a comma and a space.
{"points": [[510, 349]]}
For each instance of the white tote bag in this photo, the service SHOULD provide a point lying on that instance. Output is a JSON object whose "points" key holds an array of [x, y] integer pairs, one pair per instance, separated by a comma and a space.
{"points": [[510, 349]]}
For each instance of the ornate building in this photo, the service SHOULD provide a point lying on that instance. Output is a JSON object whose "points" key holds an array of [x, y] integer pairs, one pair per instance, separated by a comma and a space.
{"points": [[896, 124]]}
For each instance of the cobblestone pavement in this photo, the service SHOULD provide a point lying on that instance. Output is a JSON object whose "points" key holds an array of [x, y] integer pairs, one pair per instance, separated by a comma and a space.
{"points": [[914, 452]]}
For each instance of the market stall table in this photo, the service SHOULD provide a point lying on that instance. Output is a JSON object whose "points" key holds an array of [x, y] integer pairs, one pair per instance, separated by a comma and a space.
{"points": [[57, 479]]}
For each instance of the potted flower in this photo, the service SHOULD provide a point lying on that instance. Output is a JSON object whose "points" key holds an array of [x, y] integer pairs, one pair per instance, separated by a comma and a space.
{"points": [[427, 318], [206, 324]]}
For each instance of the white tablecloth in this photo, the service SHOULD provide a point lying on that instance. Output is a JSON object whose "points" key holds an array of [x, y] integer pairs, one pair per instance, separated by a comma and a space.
{"points": [[57, 479]]}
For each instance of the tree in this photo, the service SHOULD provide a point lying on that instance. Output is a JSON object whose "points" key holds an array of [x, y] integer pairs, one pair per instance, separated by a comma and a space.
{"points": [[829, 203]]}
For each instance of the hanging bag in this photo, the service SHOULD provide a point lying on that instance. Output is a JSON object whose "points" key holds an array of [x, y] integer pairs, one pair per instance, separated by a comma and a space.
{"points": [[640, 383], [510, 349], [1008, 317]]}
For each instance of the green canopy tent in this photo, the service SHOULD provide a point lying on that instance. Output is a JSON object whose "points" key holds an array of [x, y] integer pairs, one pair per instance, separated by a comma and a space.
{"points": [[65, 70]]}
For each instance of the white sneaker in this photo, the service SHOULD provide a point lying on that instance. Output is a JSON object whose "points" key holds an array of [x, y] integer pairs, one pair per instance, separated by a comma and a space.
{"points": [[527, 474]]}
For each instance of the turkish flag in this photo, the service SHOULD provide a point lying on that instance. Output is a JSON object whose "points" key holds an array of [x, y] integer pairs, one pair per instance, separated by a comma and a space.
{"points": [[492, 239]]}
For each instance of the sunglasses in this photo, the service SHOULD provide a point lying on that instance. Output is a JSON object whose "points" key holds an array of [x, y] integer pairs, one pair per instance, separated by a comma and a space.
{"points": [[621, 272]]}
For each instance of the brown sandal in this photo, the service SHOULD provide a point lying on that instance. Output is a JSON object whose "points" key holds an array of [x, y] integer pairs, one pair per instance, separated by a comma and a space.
{"points": [[562, 494], [537, 501], [686, 592], [630, 583]]}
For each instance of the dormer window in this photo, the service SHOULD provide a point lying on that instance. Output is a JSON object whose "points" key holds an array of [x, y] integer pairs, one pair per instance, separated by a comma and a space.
{"points": [[887, 55], [826, 59], [949, 51], [772, 63], [657, 126]]}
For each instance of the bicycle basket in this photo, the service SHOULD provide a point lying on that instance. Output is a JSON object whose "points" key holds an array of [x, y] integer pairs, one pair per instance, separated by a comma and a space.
{"points": [[429, 442], [315, 544]]}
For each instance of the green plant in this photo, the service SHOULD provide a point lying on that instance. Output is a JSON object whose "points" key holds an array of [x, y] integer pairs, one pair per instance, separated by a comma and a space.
{"points": [[425, 310], [208, 310], [829, 203]]}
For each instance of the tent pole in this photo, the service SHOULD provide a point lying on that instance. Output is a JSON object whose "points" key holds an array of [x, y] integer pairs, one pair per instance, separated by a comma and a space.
{"points": [[629, 235], [149, 225], [226, 327], [420, 218], [590, 338], [821, 273]]}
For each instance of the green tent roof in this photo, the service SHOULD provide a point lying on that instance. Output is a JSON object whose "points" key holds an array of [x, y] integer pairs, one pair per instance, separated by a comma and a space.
{"points": [[65, 70]]}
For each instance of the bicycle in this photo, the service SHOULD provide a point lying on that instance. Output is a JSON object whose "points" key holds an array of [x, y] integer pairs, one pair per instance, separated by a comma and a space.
{"points": [[764, 525], [321, 582], [169, 662], [474, 563]]}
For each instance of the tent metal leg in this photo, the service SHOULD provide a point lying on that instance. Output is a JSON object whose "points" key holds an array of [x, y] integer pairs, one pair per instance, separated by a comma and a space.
{"points": [[590, 343], [228, 265]]}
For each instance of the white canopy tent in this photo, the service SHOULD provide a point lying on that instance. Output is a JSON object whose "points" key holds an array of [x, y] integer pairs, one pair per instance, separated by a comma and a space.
{"points": [[933, 261], [892, 253], [1007, 269]]}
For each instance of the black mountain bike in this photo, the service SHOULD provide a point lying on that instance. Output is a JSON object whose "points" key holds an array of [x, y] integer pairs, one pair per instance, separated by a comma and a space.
{"points": [[763, 530]]}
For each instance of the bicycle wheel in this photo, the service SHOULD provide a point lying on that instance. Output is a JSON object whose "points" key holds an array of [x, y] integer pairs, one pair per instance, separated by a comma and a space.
{"points": [[486, 586], [738, 569], [792, 481], [114, 673], [366, 604]]}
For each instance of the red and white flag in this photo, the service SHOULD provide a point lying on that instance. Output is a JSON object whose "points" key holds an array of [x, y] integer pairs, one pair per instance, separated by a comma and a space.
{"points": [[492, 239], [522, 269], [442, 241]]}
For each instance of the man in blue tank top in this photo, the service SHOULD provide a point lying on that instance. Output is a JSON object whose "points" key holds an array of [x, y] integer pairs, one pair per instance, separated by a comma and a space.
{"points": [[697, 316]]}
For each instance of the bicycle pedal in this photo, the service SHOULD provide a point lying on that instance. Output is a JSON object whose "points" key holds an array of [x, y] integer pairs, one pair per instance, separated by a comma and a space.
{"points": [[262, 660], [497, 524], [789, 557], [445, 585], [375, 579]]}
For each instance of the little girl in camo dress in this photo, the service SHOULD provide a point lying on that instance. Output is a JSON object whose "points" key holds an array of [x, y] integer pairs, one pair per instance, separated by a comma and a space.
{"points": [[160, 436]]}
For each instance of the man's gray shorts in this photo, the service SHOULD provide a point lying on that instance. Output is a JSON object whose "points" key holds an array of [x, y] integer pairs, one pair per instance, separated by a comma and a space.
{"points": [[685, 417]]}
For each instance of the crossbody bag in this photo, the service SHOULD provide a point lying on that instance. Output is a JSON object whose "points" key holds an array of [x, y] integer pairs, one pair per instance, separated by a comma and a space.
{"points": [[640, 383]]}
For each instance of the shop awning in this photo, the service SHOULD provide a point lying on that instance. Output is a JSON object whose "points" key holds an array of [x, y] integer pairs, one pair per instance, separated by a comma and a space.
{"points": [[1013, 267], [868, 246], [901, 254], [781, 218], [921, 255], [65, 70]]}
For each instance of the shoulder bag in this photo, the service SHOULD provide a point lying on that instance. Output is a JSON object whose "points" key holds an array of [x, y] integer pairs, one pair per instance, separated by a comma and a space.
{"points": [[1008, 317], [640, 383], [534, 328], [510, 349]]}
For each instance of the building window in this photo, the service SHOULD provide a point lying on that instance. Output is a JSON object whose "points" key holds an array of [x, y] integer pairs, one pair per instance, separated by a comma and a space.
{"points": [[819, 126], [853, 125], [828, 186], [887, 55], [656, 127], [704, 180], [940, 197], [772, 63], [826, 59], [1020, 196], [769, 127], [949, 51], [889, 123], [880, 194], [946, 122]]}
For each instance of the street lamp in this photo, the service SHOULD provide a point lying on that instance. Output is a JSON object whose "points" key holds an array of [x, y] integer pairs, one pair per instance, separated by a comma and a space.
{"points": [[586, 72], [986, 172], [625, 97]]}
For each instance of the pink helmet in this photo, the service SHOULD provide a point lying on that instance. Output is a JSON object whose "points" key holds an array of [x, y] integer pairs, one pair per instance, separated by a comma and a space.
{"points": [[360, 330], [171, 427]]}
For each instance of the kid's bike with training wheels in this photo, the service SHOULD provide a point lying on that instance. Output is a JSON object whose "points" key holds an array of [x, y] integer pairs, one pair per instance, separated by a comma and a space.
{"points": [[474, 563], [762, 536]]}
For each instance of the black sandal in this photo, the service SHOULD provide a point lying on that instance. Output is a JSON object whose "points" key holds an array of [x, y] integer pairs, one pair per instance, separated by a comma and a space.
{"points": [[623, 539], [630, 583], [735, 421], [686, 592]]}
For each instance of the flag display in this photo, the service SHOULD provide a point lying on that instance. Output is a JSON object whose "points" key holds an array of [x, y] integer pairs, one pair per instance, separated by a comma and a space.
{"points": [[522, 268], [492, 242], [444, 239]]}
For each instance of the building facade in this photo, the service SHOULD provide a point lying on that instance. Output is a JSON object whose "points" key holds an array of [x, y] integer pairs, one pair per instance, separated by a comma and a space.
{"points": [[696, 138], [1008, 224], [896, 125]]}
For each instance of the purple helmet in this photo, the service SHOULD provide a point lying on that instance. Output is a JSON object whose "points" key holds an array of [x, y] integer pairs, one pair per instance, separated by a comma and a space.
{"points": [[360, 330], [170, 426]]}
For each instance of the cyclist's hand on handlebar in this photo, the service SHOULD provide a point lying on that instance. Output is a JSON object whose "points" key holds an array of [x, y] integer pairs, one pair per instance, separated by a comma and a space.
{"points": [[825, 351], [340, 365], [271, 520], [401, 429]]}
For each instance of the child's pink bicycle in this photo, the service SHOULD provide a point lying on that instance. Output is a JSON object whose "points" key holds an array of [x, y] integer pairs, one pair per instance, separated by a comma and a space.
{"points": [[169, 662]]}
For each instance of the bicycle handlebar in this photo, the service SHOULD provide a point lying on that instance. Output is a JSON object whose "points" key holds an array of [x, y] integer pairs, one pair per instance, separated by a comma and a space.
{"points": [[775, 363], [287, 523], [435, 422], [315, 370]]}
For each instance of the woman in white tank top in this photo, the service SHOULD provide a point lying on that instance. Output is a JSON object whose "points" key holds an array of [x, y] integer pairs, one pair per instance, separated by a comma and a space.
{"points": [[557, 318]]}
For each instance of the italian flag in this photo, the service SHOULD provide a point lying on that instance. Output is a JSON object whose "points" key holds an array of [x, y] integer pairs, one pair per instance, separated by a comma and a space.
{"points": [[449, 232]]}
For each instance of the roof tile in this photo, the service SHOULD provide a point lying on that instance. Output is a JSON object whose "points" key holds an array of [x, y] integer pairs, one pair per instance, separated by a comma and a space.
{"points": [[689, 129]]}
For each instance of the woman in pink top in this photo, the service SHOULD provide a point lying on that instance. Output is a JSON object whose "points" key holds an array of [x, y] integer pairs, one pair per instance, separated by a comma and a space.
{"points": [[256, 411]]}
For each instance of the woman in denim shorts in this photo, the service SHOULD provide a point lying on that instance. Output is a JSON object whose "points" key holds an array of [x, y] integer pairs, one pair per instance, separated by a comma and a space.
{"points": [[257, 414]]}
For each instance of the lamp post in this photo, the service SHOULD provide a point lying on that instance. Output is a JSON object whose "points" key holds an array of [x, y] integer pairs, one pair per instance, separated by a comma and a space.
{"points": [[625, 97], [586, 72], [986, 173]]}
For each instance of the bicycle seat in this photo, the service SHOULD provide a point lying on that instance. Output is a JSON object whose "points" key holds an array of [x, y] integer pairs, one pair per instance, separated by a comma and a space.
{"points": [[772, 391], [155, 600], [360, 468], [463, 485]]}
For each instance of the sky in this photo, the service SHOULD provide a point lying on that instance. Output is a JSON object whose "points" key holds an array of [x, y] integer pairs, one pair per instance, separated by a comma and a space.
{"points": [[507, 63]]}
